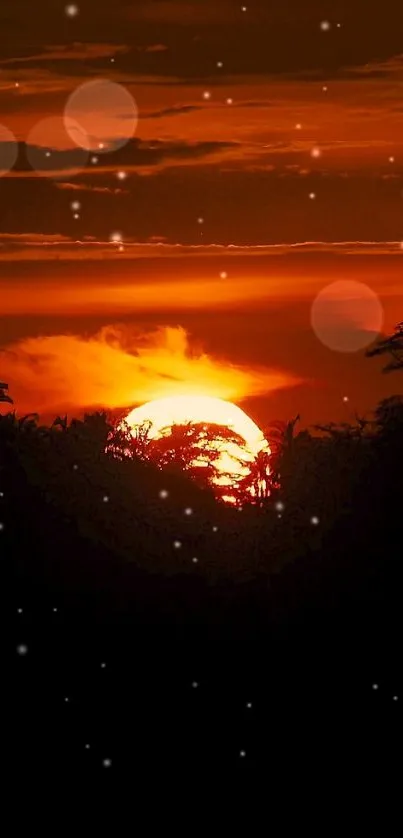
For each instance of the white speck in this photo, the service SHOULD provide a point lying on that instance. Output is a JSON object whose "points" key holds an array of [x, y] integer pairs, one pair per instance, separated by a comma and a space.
{"points": [[375, 686], [1, 494], [17, 84], [103, 665], [229, 101], [345, 398], [195, 684], [395, 698], [324, 88], [195, 560], [163, 494], [75, 206], [72, 10], [177, 545], [219, 64], [121, 175], [121, 248], [206, 94], [279, 515], [22, 649], [315, 520], [338, 25], [325, 26], [298, 126], [215, 529], [19, 610], [244, 8], [223, 275], [112, 60], [101, 145], [87, 747], [200, 220], [54, 610], [66, 699], [316, 152], [391, 159], [1, 527], [188, 511], [279, 506], [47, 153], [75, 467], [76, 215], [106, 763], [312, 196], [249, 705], [94, 160], [105, 499], [242, 753]]}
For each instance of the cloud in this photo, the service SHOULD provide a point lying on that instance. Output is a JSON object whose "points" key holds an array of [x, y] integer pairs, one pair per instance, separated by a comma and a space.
{"points": [[68, 52], [119, 367]]}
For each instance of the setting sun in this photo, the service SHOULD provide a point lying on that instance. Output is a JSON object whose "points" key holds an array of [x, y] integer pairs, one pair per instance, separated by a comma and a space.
{"points": [[179, 410]]}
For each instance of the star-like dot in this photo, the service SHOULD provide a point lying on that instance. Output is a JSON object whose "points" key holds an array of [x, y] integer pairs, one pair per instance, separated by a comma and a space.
{"points": [[316, 152], [298, 126], [219, 64], [188, 511], [215, 529], [19, 610], [106, 763], [223, 275], [195, 560], [206, 94], [116, 237], [1, 526], [195, 684], [200, 220], [54, 610], [121, 175], [229, 101], [345, 398], [395, 698], [75, 206], [22, 649], [1, 494], [242, 753], [177, 544], [163, 494], [94, 160], [75, 467], [66, 699], [312, 196], [325, 26], [87, 747], [314, 520], [279, 506], [103, 665], [105, 499], [375, 686], [249, 705]]}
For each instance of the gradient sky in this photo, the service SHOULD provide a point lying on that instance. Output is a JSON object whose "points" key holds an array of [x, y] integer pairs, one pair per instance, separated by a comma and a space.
{"points": [[265, 165]]}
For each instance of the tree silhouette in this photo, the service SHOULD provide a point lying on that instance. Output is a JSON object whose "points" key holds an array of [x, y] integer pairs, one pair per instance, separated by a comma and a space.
{"points": [[393, 346], [4, 397]]}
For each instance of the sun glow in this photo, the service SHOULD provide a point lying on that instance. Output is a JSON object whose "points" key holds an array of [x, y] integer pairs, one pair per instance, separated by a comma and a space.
{"points": [[179, 410]]}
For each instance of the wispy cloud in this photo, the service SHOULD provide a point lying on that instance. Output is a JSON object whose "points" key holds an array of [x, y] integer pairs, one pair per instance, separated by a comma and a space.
{"points": [[120, 366]]}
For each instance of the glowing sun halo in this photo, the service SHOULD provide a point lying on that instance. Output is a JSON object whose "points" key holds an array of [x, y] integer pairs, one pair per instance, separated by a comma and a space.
{"points": [[163, 413]]}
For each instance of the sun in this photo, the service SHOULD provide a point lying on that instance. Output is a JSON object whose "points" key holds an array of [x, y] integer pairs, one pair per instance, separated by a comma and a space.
{"points": [[178, 410]]}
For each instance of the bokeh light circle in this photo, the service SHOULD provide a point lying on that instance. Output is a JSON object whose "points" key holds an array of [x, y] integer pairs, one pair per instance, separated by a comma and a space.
{"points": [[107, 113], [51, 150], [8, 150], [347, 316]]}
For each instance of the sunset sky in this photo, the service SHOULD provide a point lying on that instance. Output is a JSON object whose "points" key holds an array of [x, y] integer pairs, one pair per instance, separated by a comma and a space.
{"points": [[252, 156]]}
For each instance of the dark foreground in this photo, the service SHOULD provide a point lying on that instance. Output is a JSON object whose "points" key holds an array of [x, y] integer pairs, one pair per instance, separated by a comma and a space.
{"points": [[112, 669]]}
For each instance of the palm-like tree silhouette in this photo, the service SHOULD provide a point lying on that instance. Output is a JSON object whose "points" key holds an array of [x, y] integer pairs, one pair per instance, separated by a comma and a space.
{"points": [[393, 346]]}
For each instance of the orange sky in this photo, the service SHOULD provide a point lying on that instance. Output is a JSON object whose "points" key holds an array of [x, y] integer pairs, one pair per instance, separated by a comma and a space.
{"points": [[266, 163]]}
